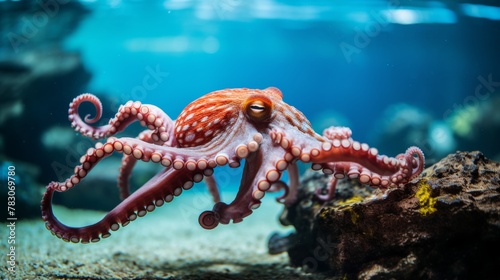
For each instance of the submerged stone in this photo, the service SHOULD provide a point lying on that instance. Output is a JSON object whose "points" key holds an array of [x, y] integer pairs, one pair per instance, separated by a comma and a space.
{"points": [[444, 224]]}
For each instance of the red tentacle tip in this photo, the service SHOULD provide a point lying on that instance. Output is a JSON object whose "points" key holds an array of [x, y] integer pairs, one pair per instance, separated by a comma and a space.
{"points": [[416, 154], [278, 186], [416, 160], [89, 98], [208, 220], [88, 119]]}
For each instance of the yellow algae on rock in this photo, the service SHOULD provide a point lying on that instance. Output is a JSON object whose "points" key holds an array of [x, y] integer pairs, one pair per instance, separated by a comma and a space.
{"points": [[352, 200], [427, 202]]}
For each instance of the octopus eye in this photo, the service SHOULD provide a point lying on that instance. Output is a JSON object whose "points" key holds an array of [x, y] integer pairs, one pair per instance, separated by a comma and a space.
{"points": [[258, 110], [257, 107]]}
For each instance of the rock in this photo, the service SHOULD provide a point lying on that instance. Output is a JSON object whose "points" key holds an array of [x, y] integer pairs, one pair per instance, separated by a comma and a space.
{"points": [[445, 224], [38, 79], [22, 131], [39, 25]]}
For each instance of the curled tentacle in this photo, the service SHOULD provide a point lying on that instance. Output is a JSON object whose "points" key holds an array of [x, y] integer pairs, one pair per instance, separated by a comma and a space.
{"points": [[149, 116], [417, 163], [259, 175], [160, 189], [278, 186], [243, 205], [402, 169], [330, 190], [354, 160], [91, 98], [343, 157], [209, 219]]}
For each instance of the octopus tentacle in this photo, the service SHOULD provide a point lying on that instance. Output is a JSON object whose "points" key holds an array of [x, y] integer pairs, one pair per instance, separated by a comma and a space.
{"points": [[337, 132], [343, 157], [149, 116], [167, 156], [293, 185], [128, 163], [369, 167], [186, 168], [259, 174], [161, 188], [330, 190], [348, 158], [280, 186], [243, 205], [416, 157], [290, 190], [212, 188]]}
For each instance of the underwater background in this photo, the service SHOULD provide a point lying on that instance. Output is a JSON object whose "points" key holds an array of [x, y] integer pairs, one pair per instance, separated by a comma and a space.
{"points": [[398, 73]]}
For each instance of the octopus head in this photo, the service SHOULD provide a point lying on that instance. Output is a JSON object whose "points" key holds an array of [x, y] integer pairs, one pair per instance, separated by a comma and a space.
{"points": [[213, 114]]}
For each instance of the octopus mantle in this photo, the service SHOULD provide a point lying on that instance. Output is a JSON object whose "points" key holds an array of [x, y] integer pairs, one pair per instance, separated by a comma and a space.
{"points": [[220, 128]]}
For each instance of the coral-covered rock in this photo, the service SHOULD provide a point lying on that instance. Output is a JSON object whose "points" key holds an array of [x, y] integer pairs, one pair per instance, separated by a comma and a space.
{"points": [[445, 224]]}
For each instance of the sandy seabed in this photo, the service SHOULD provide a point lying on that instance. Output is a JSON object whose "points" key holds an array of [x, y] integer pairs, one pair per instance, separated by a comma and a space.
{"points": [[165, 244]]}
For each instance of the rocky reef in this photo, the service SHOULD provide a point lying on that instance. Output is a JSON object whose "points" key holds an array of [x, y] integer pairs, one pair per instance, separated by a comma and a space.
{"points": [[445, 224], [38, 77]]}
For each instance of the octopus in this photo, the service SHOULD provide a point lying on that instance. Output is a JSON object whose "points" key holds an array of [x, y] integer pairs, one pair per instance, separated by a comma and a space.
{"points": [[225, 127]]}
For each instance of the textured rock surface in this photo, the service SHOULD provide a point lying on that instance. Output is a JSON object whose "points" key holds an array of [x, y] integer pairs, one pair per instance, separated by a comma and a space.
{"points": [[443, 225]]}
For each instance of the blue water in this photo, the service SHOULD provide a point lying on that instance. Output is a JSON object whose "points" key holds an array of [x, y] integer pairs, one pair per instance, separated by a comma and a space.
{"points": [[393, 71], [398, 73], [307, 50]]}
